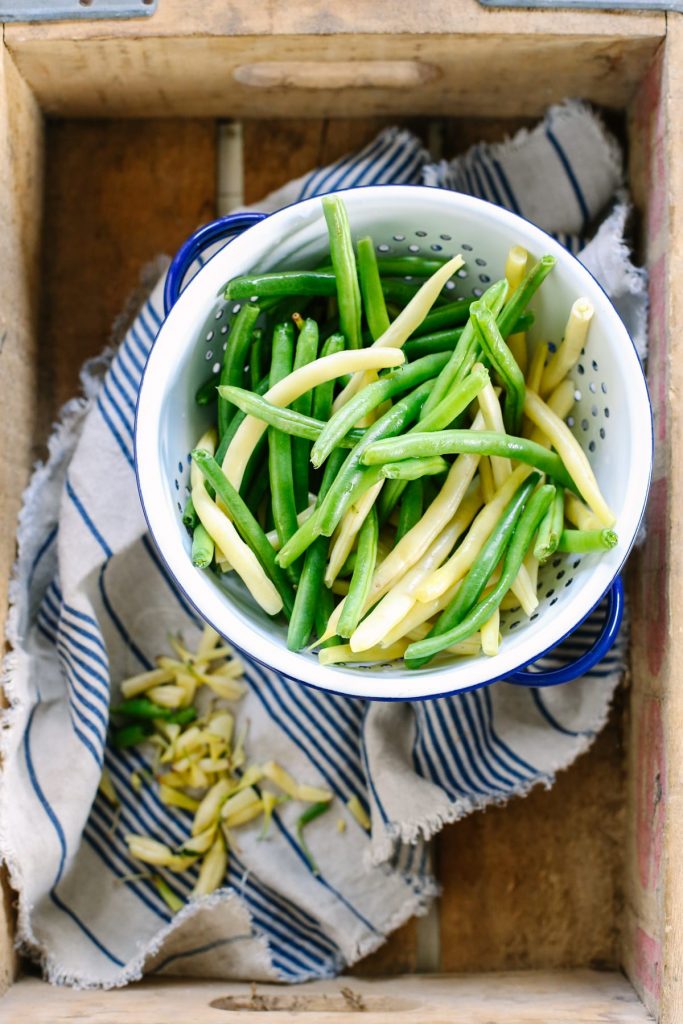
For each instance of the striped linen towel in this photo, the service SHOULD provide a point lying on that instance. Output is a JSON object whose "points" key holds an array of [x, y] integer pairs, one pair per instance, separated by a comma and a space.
{"points": [[92, 603]]}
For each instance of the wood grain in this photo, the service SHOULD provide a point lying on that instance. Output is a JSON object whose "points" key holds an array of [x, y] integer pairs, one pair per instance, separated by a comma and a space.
{"points": [[279, 18], [118, 194], [654, 922], [21, 172], [580, 997], [193, 75], [537, 883]]}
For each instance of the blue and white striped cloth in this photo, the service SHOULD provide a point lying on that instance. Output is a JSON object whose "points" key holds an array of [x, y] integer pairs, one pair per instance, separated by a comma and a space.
{"points": [[92, 603]]}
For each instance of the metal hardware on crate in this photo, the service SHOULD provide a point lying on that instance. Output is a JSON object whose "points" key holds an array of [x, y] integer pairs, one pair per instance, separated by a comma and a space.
{"points": [[596, 5], [67, 10]]}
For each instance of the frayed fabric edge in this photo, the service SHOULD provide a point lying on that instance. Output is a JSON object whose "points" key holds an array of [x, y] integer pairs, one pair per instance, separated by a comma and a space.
{"points": [[134, 970], [411, 832]]}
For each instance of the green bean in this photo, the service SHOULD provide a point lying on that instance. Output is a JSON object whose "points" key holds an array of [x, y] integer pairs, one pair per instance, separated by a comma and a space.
{"points": [[493, 297], [344, 264], [350, 479], [411, 509], [282, 283], [234, 424], [454, 402], [145, 709], [373, 395], [359, 588], [309, 815], [280, 445], [283, 418], [323, 394], [324, 609], [472, 586], [256, 359], [190, 517], [582, 542], [414, 469], [550, 530], [202, 547], [246, 524], [131, 735], [311, 587], [235, 357], [402, 291], [480, 613], [306, 352], [522, 296], [502, 359], [470, 442], [371, 289], [450, 314], [206, 392], [419, 266]]}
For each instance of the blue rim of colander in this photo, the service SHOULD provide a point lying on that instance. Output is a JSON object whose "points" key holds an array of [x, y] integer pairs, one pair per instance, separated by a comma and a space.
{"points": [[226, 228]]}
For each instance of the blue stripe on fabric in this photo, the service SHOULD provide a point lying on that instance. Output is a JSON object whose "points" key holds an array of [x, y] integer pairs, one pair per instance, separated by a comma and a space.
{"points": [[132, 376], [368, 775], [73, 674], [394, 163], [125, 422], [68, 609], [506, 186], [459, 755], [315, 184], [482, 745], [80, 508], [151, 331], [120, 628], [39, 554], [127, 347], [422, 757], [54, 821], [309, 705], [57, 900], [498, 755], [113, 376], [156, 317], [140, 344], [320, 878], [482, 190], [64, 630], [163, 572], [486, 171], [91, 834], [325, 770], [115, 434], [81, 736], [198, 950], [550, 719], [569, 170], [501, 743], [151, 815], [79, 631], [46, 633]]}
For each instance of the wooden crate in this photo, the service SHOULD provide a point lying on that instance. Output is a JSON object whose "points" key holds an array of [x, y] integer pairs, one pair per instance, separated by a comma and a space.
{"points": [[572, 897]]}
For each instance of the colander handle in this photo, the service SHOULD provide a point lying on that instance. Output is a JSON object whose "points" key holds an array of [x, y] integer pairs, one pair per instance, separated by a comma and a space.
{"points": [[216, 231], [605, 640]]}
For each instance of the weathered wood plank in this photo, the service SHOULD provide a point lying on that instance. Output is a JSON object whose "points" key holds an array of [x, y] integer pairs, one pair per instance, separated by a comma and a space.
{"points": [[117, 195], [582, 997], [21, 171]]}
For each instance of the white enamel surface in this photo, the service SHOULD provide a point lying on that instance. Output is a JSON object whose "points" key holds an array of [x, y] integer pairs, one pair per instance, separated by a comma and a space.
{"points": [[169, 423]]}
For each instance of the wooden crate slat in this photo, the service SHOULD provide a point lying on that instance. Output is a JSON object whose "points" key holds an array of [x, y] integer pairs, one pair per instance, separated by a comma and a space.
{"points": [[582, 997], [197, 76]]}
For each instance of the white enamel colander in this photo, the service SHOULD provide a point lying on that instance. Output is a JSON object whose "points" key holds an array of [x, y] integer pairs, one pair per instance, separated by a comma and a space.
{"points": [[611, 419]]}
